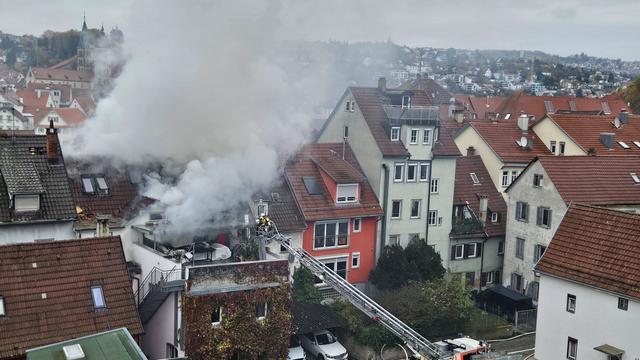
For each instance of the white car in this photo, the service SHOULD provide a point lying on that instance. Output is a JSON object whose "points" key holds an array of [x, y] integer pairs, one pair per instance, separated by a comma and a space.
{"points": [[295, 349], [324, 346]]}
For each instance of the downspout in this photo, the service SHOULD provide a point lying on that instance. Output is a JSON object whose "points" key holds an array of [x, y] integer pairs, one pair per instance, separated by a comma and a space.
{"points": [[385, 202], [484, 242], [426, 233]]}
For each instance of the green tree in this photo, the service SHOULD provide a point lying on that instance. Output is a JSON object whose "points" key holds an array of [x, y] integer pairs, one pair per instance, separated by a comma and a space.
{"points": [[398, 267], [434, 308], [304, 289], [632, 95]]}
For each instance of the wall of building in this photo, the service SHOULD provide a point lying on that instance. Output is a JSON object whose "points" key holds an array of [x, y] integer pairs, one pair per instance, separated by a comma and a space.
{"points": [[19, 233], [274, 253], [596, 321], [363, 242], [548, 131], [469, 137], [546, 195], [488, 261], [160, 330], [444, 169]]}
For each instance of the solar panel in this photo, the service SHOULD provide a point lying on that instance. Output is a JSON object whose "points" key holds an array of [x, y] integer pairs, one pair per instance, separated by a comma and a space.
{"points": [[313, 185]]}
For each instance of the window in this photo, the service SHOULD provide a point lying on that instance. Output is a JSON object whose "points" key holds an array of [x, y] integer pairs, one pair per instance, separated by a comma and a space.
{"points": [[520, 248], [426, 137], [357, 223], [459, 251], [102, 184], [338, 265], [505, 178], [87, 185], [522, 211], [514, 175], [347, 193], [413, 136], [216, 315], [562, 146], [435, 185], [26, 203], [355, 260], [55, 119], [348, 106], [605, 108], [508, 116], [394, 240], [552, 147], [396, 209], [345, 132], [415, 209], [2, 311], [331, 234], [474, 178], [424, 171], [406, 101], [433, 217], [494, 217], [548, 105], [623, 304], [543, 217], [537, 180], [412, 169], [261, 310], [501, 248], [98, 297], [398, 173], [623, 144], [472, 250], [263, 209], [635, 177], [572, 348], [538, 251], [571, 303], [395, 134], [637, 143], [516, 282]]}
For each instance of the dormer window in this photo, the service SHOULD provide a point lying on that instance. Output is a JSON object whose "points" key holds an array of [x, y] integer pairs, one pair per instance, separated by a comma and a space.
{"points": [[347, 193], [26, 203], [406, 101], [395, 134]]}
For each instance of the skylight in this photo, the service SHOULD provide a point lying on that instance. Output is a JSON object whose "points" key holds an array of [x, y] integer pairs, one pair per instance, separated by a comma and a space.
{"points": [[312, 185], [548, 105], [605, 107], [98, 297], [2, 313], [637, 143], [508, 116], [623, 144], [87, 185], [102, 183], [635, 177], [474, 178]]}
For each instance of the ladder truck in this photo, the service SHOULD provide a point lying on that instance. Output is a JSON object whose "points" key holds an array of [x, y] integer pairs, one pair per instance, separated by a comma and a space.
{"points": [[266, 232]]}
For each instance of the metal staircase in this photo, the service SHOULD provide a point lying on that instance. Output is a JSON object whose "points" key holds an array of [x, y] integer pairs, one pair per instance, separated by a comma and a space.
{"points": [[155, 289]]}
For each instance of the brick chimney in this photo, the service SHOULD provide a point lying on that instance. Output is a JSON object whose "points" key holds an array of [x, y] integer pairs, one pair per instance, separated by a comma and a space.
{"points": [[102, 226], [471, 151], [382, 84], [523, 123], [52, 144]]}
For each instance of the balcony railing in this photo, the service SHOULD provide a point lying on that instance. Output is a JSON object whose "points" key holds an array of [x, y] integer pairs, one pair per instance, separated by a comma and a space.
{"points": [[414, 115], [466, 226]]}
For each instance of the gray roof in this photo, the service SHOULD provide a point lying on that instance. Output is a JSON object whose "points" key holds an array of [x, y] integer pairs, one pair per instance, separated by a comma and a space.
{"points": [[25, 169]]}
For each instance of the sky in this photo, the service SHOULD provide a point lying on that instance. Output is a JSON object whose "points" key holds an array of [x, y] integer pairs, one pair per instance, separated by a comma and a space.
{"points": [[602, 28]]}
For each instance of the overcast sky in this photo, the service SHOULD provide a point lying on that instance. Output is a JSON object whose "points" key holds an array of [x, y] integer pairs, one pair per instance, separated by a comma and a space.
{"points": [[596, 27]]}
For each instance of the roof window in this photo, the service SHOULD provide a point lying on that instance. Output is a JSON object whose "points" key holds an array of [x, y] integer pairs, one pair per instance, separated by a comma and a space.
{"points": [[474, 178], [637, 143], [95, 184], [312, 185], [605, 108], [98, 297], [548, 105], [635, 177], [508, 116], [623, 144], [2, 312], [87, 185]]}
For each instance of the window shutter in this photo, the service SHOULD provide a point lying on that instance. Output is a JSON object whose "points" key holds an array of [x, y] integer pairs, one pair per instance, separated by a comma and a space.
{"points": [[453, 252], [539, 216], [549, 212], [518, 210], [467, 250], [478, 249], [526, 212], [483, 279]]}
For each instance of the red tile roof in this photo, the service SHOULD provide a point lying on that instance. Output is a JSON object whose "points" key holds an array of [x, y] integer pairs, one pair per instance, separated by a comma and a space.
{"points": [[32, 103], [87, 103], [596, 247], [445, 146], [283, 210], [71, 116], [501, 136], [436, 93], [320, 207], [65, 271], [65, 90], [43, 74], [585, 131], [341, 172], [535, 105], [466, 192], [595, 180], [483, 105]]}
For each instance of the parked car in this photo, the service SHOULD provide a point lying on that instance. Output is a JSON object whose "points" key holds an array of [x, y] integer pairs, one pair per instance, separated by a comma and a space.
{"points": [[295, 349], [323, 345]]}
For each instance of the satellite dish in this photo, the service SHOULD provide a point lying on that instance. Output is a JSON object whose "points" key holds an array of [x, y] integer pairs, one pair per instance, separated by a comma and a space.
{"points": [[523, 141]]}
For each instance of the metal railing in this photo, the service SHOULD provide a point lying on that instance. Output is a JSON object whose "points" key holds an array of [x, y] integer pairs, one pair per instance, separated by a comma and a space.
{"points": [[156, 279], [421, 113]]}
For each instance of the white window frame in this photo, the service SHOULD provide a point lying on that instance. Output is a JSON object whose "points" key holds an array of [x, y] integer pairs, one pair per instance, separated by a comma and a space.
{"points": [[395, 133], [413, 201], [406, 104], [263, 205], [455, 251], [395, 172], [520, 245], [494, 217], [537, 178], [220, 311], [514, 176], [359, 227], [412, 140], [562, 147], [355, 260], [348, 107], [434, 188], [426, 174], [415, 172], [505, 178], [399, 211], [572, 348], [337, 233], [474, 178], [433, 218], [265, 308], [346, 197], [553, 147], [490, 277], [475, 250], [334, 260], [571, 303], [97, 295], [426, 137]]}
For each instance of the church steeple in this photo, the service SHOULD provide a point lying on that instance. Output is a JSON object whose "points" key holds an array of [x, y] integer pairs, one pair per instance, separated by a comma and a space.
{"points": [[84, 23]]}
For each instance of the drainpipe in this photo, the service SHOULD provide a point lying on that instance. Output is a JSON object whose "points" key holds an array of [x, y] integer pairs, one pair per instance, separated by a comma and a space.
{"points": [[484, 242], [426, 233], [385, 202]]}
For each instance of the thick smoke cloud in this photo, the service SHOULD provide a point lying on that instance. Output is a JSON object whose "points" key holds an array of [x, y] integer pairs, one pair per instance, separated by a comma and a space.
{"points": [[203, 87]]}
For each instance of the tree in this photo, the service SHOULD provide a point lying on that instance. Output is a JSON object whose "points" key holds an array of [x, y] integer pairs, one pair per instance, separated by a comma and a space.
{"points": [[398, 267], [435, 308], [304, 289], [632, 95]]}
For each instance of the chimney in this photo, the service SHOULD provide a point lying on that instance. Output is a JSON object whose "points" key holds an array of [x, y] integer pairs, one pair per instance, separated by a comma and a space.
{"points": [[382, 84], [484, 205], [458, 115], [471, 151], [607, 139], [523, 123], [623, 116], [52, 144], [102, 226]]}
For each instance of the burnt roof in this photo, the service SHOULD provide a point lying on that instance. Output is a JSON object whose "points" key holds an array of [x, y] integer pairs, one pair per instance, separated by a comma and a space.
{"points": [[283, 209]]}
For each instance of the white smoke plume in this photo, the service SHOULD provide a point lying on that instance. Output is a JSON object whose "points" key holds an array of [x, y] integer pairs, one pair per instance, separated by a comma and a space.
{"points": [[202, 86]]}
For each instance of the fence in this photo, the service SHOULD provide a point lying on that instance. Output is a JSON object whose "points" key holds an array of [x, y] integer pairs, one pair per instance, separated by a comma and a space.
{"points": [[525, 320]]}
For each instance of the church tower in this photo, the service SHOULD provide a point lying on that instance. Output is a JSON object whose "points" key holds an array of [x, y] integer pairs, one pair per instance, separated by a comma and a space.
{"points": [[82, 58]]}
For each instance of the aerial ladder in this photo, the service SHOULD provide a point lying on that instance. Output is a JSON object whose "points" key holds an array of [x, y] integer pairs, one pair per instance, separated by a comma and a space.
{"points": [[267, 232]]}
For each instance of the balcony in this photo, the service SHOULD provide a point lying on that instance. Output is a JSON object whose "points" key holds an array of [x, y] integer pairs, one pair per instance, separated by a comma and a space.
{"points": [[415, 115], [465, 226]]}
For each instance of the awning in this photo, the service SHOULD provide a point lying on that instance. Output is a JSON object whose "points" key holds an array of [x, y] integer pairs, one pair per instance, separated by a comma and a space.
{"points": [[609, 350]]}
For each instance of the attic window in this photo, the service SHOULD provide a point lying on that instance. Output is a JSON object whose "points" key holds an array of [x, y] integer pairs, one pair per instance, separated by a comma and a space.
{"points": [[95, 184], [508, 116], [623, 144], [312, 185], [572, 105], [263, 208], [102, 184], [605, 108], [474, 178], [2, 312], [347, 193], [395, 134], [26, 203], [635, 177], [548, 105], [87, 185], [98, 297], [637, 143], [406, 101]]}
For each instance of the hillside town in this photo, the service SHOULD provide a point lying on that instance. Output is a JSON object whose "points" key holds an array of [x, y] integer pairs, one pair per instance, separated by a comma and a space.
{"points": [[443, 204]]}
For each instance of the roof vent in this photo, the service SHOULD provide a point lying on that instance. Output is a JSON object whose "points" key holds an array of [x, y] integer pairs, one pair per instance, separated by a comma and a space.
{"points": [[607, 139], [623, 116], [73, 352]]}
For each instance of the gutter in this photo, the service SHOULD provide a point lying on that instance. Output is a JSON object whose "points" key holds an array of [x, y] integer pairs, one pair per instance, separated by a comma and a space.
{"points": [[385, 203]]}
